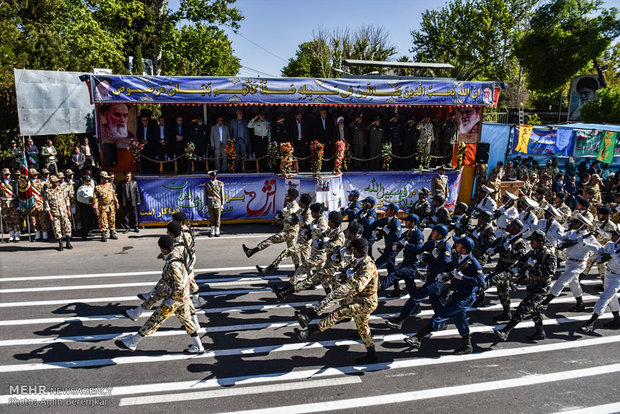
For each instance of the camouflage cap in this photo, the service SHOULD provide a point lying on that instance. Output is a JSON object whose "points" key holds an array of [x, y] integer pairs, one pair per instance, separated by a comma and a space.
{"points": [[33, 171], [45, 171], [6, 171], [68, 171], [60, 175], [53, 179], [104, 174]]}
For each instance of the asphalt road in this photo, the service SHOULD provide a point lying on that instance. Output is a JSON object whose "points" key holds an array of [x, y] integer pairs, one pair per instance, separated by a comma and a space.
{"points": [[60, 317]]}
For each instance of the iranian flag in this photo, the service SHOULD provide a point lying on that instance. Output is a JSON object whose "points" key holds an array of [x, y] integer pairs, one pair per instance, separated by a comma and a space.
{"points": [[25, 194]]}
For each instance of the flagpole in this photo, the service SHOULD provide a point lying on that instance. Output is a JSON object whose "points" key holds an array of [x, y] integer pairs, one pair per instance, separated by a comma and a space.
{"points": [[29, 231]]}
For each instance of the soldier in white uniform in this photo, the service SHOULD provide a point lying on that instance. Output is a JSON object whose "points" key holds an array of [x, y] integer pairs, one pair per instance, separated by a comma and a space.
{"points": [[609, 253], [578, 243], [506, 213], [487, 203], [551, 228], [527, 207]]}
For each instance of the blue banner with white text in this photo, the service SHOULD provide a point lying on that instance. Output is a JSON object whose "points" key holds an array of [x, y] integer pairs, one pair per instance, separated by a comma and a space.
{"points": [[237, 90], [544, 141]]}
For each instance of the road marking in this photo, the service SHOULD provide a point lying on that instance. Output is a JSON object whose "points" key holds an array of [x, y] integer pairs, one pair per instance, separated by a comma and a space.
{"points": [[266, 349], [221, 328], [230, 392], [597, 409], [339, 371], [433, 393], [253, 236]]}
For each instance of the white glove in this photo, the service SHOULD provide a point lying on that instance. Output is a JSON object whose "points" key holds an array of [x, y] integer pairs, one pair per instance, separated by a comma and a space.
{"points": [[506, 244], [403, 242], [458, 275], [439, 278], [168, 303], [334, 257], [531, 262], [374, 234], [419, 257], [435, 253], [72, 210], [350, 272], [313, 226]]}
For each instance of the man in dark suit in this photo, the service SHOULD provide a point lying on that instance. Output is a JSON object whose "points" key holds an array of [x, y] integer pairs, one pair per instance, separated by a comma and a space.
{"points": [[200, 137], [161, 136], [218, 139], [300, 136], [129, 199], [147, 135], [324, 132]]}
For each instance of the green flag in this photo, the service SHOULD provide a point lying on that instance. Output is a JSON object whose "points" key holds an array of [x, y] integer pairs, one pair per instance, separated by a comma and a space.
{"points": [[608, 147], [588, 142]]}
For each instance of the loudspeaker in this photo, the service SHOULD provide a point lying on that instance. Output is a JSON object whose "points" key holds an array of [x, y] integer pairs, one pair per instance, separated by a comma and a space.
{"points": [[110, 158], [482, 152]]}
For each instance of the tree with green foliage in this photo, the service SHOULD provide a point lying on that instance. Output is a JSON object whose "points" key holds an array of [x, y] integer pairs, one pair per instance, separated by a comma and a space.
{"points": [[565, 38], [605, 108], [325, 52]]}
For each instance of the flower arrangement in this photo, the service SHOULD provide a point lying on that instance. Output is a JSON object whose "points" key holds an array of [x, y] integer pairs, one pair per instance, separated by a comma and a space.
{"points": [[136, 148], [460, 155], [346, 162], [339, 159], [386, 154], [273, 155], [190, 151], [286, 159], [231, 154], [316, 158]]}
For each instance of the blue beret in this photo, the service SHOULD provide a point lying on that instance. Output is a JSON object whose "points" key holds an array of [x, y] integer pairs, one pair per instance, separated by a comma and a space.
{"points": [[413, 217], [466, 242], [393, 207], [355, 193], [441, 229]]}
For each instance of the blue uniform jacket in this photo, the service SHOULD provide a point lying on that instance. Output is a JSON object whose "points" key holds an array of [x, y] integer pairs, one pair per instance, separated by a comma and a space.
{"points": [[352, 209], [438, 265], [366, 219], [415, 241], [473, 279], [394, 233]]}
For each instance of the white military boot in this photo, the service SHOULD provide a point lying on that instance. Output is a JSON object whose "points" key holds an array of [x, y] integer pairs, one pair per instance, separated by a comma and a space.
{"points": [[196, 300], [196, 346], [133, 314], [11, 236], [37, 235], [45, 236], [17, 237], [217, 232], [129, 342], [195, 321]]}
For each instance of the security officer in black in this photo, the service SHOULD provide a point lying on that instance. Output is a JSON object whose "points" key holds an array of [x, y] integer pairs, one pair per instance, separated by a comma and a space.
{"points": [[484, 237], [462, 223], [439, 213], [539, 266]]}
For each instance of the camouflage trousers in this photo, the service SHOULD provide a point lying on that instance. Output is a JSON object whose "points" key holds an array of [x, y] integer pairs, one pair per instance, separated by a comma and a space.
{"points": [[183, 312], [160, 291], [107, 219], [60, 225], [325, 276], [502, 281], [602, 267], [315, 262], [360, 312], [11, 219], [530, 305], [287, 237], [39, 220]]}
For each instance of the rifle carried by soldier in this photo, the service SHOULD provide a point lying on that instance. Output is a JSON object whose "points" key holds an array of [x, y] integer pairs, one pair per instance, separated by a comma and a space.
{"points": [[569, 243]]}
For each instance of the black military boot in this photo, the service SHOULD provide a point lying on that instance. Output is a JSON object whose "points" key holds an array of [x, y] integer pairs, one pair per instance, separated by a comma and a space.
{"points": [[305, 317], [60, 246], [505, 331], [104, 238], [283, 292], [249, 252], [480, 297], [466, 348], [396, 292], [305, 334], [579, 306], [589, 325], [546, 301], [296, 266], [504, 316], [113, 235], [68, 243], [264, 270], [415, 341], [369, 358], [615, 322], [538, 335]]}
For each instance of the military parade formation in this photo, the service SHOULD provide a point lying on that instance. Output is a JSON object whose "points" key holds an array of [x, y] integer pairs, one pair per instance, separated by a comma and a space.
{"points": [[534, 239]]}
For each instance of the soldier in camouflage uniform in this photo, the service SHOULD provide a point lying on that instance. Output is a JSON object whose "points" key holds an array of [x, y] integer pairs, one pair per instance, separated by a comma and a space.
{"points": [[177, 301], [484, 238], [603, 227], [462, 223], [56, 204], [11, 218], [290, 220], [539, 266], [104, 203], [318, 229], [511, 249], [561, 206], [421, 207], [38, 217], [357, 299], [539, 196]]}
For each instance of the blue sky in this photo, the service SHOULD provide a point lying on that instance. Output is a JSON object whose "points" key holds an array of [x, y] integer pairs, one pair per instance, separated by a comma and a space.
{"points": [[273, 29]]}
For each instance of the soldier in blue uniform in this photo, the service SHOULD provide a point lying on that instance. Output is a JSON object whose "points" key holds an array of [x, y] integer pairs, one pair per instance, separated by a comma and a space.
{"points": [[354, 206], [410, 243], [438, 255], [467, 277]]}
